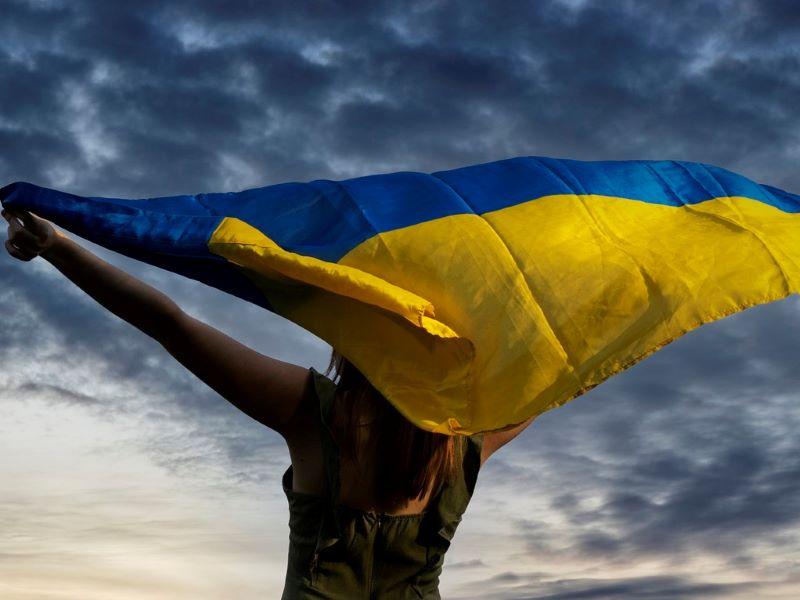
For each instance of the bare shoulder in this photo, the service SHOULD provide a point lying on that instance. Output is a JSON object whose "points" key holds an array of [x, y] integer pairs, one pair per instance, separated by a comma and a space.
{"points": [[494, 440]]}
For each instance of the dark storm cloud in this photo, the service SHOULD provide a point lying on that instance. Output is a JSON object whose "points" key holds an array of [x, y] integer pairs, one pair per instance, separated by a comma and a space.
{"points": [[300, 94], [693, 450], [44, 390]]}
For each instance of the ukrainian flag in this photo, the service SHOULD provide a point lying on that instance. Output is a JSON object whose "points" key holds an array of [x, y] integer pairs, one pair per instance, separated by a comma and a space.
{"points": [[477, 297]]}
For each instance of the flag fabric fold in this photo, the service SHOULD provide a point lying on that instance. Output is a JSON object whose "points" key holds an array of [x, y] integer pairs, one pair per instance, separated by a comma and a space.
{"points": [[478, 297]]}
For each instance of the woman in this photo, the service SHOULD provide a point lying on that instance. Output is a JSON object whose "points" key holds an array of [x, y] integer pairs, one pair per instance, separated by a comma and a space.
{"points": [[374, 500]]}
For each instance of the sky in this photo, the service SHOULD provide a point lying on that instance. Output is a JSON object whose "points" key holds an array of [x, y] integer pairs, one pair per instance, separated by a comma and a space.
{"points": [[124, 477]]}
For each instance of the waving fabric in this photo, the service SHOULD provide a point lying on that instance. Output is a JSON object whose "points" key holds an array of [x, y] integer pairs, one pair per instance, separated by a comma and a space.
{"points": [[477, 297]]}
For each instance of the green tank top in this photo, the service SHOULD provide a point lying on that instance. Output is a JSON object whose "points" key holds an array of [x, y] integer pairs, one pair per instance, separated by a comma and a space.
{"points": [[338, 552]]}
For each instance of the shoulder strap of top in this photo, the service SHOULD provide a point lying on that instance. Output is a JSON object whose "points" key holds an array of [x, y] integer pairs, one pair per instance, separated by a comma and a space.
{"points": [[330, 530], [326, 392]]}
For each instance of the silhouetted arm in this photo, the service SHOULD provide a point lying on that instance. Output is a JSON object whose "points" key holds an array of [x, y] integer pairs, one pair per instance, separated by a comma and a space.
{"points": [[269, 390]]}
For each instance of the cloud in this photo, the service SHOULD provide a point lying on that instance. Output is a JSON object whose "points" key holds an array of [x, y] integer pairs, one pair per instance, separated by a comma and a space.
{"points": [[640, 588]]}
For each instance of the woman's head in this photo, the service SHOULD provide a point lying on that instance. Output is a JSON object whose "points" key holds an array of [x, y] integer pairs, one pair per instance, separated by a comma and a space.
{"points": [[409, 460]]}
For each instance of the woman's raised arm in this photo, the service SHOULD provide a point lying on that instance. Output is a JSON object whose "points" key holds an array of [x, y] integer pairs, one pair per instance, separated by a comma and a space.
{"points": [[269, 390]]}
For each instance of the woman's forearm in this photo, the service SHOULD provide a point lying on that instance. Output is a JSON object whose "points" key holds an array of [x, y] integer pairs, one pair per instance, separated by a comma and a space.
{"points": [[138, 303]]}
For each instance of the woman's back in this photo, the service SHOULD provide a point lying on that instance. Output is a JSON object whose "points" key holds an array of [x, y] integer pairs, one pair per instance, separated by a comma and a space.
{"points": [[338, 550]]}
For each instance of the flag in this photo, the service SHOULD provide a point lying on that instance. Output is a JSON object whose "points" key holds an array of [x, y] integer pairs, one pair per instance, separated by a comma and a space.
{"points": [[473, 298]]}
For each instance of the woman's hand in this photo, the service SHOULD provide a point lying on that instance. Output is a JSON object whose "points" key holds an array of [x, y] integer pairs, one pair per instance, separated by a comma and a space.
{"points": [[28, 235]]}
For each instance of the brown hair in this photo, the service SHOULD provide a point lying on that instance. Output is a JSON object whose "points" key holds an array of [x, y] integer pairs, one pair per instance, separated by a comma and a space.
{"points": [[408, 460]]}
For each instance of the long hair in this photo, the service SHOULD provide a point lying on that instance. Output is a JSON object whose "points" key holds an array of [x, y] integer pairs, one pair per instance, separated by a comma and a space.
{"points": [[408, 460]]}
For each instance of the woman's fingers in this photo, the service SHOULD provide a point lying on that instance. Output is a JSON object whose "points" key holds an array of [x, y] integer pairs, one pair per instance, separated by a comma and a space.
{"points": [[7, 215], [14, 221], [14, 224], [19, 234], [17, 215], [34, 224], [26, 241], [17, 253], [23, 242]]}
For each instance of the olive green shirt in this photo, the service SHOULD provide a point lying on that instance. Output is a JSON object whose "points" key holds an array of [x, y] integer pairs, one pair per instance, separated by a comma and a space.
{"points": [[338, 552]]}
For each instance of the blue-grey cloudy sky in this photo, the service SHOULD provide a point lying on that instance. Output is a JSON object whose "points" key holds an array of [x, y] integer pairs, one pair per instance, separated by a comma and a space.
{"points": [[122, 476]]}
